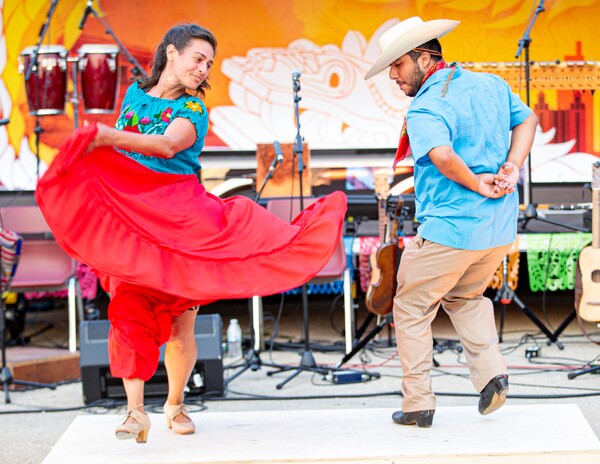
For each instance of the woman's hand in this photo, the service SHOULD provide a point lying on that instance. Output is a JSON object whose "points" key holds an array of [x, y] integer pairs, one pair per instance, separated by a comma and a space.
{"points": [[102, 137]]}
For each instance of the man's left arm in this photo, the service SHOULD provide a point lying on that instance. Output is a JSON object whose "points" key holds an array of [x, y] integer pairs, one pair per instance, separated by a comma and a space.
{"points": [[520, 147]]}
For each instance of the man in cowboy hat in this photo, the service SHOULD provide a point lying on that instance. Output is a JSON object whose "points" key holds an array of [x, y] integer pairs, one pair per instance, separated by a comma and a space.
{"points": [[466, 166]]}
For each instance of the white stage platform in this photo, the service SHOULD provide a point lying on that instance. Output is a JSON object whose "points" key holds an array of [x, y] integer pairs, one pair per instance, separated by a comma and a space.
{"points": [[515, 434]]}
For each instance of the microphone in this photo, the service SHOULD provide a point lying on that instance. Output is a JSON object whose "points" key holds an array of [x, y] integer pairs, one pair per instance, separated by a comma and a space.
{"points": [[296, 74], [278, 157], [4, 122], [278, 152], [86, 13]]}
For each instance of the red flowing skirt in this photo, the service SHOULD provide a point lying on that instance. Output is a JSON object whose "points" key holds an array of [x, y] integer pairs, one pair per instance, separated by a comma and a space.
{"points": [[165, 232]]}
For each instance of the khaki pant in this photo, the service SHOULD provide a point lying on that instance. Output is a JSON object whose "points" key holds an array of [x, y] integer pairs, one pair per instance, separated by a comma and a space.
{"points": [[431, 274]]}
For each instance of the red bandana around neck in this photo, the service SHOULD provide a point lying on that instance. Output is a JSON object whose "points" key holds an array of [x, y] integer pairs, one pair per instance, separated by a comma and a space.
{"points": [[404, 146]]}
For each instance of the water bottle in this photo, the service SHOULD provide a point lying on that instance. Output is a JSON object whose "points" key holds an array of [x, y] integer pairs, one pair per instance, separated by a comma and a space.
{"points": [[234, 339]]}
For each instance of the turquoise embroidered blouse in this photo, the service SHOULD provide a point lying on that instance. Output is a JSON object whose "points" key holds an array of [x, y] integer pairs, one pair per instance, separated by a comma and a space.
{"points": [[146, 114]]}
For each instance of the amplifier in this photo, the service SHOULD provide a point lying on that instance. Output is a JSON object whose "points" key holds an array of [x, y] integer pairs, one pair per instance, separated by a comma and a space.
{"points": [[98, 383]]}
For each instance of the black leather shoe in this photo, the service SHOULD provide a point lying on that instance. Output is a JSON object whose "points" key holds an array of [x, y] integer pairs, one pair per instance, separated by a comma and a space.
{"points": [[423, 418], [493, 396]]}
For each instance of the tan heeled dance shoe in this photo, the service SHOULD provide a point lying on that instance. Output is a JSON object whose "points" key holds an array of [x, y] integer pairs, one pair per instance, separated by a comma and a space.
{"points": [[138, 429], [182, 428]]}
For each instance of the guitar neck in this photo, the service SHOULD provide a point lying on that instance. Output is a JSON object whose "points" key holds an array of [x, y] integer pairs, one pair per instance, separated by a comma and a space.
{"points": [[383, 219], [595, 218]]}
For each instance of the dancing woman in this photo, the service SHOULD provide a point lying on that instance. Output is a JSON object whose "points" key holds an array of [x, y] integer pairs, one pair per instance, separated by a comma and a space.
{"points": [[127, 201]]}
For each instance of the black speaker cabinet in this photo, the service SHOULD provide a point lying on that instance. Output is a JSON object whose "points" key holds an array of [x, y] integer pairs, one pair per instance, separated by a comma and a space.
{"points": [[98, 383]]}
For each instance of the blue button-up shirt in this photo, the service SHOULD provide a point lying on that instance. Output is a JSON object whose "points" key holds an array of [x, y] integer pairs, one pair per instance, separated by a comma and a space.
{"points": [[475, 118]]}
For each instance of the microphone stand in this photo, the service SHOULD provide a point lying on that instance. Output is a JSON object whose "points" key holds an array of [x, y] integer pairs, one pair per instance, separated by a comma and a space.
{"points": [[137, 70], [271, 172], [524, 43], [252, 357], [43, 31], [298, 143], [34, 63], [530, 210], [307, 361]]}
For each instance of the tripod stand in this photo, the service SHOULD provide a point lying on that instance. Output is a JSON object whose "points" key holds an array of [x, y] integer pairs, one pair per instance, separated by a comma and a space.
{"points": [[385, 321], [12, 243], [252, 357], [307, 361], [438, 345], [33, 65], [505, 295]]}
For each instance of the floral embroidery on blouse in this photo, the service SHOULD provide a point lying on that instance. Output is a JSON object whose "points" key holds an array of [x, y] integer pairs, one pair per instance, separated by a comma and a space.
{"points": [[194, 106], [131, 122], [166, 115], [149, 115]]}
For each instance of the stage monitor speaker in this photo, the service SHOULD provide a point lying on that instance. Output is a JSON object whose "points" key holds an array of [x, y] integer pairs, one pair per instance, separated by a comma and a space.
{"points": [[98, 383]]}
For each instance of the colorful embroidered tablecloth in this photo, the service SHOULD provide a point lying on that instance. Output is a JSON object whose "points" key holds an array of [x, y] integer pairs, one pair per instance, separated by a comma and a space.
{"points": [[552, 259]]}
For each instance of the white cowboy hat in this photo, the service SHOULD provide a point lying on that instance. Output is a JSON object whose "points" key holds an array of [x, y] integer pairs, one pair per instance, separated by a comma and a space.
{"points": [[405, 36]]}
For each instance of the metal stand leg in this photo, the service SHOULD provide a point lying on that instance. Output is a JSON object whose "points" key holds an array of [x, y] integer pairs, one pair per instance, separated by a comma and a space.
{"points": [[505, 295], [307, 360], [252, 357], [359, 346], [6, 378]]}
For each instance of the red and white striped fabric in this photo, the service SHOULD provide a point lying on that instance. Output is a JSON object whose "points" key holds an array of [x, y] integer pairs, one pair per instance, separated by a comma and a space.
{"points": [[10, 250]]}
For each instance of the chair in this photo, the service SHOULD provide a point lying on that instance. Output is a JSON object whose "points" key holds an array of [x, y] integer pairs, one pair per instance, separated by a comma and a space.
{"points": [[43, 266], [335, 270], [11, 245]]}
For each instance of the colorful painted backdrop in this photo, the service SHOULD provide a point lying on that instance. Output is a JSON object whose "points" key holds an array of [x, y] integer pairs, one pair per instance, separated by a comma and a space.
{"points": [[332, 43]]}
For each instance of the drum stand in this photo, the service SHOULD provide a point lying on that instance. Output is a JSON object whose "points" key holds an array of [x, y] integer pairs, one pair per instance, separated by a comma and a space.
{"points": [[74, 100], [34, 64], [137, 70]]}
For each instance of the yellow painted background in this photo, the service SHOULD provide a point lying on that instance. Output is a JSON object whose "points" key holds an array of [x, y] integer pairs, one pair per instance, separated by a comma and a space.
{"points": [[490, 31]]}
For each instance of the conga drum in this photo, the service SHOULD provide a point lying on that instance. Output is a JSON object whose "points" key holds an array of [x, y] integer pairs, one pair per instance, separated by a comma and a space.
{"points": [[47, 84], [99, 76]]}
